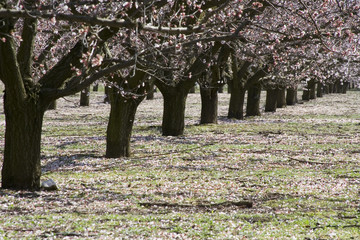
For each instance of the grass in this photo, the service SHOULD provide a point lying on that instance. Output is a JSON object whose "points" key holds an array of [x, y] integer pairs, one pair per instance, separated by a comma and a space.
{"points": [[299, 167]]}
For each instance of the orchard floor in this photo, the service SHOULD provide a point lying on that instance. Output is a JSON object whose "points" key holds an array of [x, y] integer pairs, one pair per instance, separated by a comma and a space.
{"points": [[299, 167]]}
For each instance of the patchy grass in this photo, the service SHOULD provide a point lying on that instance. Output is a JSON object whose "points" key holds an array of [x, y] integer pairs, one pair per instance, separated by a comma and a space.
{"points": [[299, 167]]}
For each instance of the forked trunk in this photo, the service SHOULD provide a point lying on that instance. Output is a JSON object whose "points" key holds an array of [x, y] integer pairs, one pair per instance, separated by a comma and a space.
{"points": [[281, 98], [174, 111], [209, 105], [271, 100], [253, 101], [121, 120], [21, 167]]}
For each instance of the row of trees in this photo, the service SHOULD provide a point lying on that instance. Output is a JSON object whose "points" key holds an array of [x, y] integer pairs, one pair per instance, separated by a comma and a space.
{"points": [[51, 49]]}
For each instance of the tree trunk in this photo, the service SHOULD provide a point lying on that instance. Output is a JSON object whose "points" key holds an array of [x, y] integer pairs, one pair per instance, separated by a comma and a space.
{"points": [[96, 87], [173, 123], [306, 94], [345, 87], [331, 88], [253, 101], [271, 100], [121, 120], [236, 106], [291, 96], [107, 91], [281, 98], [221, 89], [319, 90], [192, 90], [85, 97], [52, 105], [150, 88], [21, 167], [312, 91], [326, 89], [209, 105]]}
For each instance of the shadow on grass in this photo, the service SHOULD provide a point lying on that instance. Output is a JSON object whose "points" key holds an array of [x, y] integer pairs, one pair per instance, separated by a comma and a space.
{"points": [[67, 161]]}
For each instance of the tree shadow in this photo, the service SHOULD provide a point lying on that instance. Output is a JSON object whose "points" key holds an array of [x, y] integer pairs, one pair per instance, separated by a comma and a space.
{"points": [[73, 160]]}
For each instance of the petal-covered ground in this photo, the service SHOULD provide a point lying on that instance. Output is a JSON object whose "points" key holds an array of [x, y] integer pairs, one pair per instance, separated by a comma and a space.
{"points": [[298, 167]]}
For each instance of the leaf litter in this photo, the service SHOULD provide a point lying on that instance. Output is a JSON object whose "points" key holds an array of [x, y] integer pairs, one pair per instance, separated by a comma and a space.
{"points": [[298, 167]]}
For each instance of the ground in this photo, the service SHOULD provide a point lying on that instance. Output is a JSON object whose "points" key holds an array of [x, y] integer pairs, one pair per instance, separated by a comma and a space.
{"points": [[299, 167]]}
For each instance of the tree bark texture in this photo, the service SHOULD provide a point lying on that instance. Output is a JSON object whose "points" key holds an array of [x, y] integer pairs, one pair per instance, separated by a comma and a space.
{"points": [[236, 106], [121, 120], [209, 105], [253, 100], [21, 166], [271, 100], [173, 123]]}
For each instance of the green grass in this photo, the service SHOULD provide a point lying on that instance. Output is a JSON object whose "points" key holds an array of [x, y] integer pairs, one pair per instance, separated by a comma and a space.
{"points": [[299, 167]]}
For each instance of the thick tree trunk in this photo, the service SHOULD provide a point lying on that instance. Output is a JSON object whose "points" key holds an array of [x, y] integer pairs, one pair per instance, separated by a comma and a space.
{"points": [[236, 106], [253, 101], [173, 123], [291, 96], [209, 105], [192, 90], [85, 97], [306, 95], [221, 89], [121, 120], [271, 100], [331, 88], [21, 167], [281, 98]]}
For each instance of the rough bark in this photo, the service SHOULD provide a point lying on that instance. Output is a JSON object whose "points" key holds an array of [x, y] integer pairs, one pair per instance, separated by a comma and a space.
{"points": [[21, 166], [271, 100], [119, 129], [281, 98], [236, 106], [173, 123], [209, 105], [253, 101]]}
